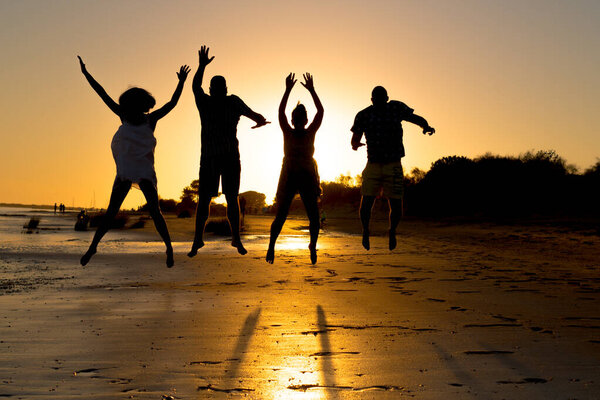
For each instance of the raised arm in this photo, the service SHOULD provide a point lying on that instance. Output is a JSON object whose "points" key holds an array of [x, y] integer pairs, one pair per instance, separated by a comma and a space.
{"points": [[164, 110], [283, 121], [203, 61], [422, 122], [309, 85], [99, 89]]}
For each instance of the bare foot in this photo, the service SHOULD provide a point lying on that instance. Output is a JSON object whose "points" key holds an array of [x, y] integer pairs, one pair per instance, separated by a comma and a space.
{"points": [[392, 240], [87, 256], [270, 256], [313, 253], [365, 240], [195, 248], [170, 260], [237, 243]]}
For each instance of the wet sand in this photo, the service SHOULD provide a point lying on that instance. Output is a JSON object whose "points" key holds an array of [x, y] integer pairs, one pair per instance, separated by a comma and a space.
{"points": [[456, 311]]}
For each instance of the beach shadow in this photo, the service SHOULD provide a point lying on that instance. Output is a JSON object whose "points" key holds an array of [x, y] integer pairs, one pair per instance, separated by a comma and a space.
{"points": [[239, 352], [463, 375], [327, 368]]}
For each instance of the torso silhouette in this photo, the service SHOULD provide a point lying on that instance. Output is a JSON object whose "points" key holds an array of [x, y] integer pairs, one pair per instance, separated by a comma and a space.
{"points": [[382, 126], [299, 171], [298, 144], [133, 150], [219, 117]]}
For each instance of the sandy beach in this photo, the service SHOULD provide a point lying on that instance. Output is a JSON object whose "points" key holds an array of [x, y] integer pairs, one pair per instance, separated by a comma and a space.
{"points": [[457, 311]]}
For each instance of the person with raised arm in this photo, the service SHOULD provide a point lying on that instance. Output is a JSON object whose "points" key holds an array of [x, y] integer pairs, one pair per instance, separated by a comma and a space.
{"points": [[381, 123], [133, 150], [299, 172], [220, 155]]}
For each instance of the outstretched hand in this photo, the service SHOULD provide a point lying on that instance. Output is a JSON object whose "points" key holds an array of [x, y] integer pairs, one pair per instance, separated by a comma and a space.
{"points": [[82, 65], [261, 123], [355, 146], [428, 130], [308, 82], [183, 73], [203, 57], [290, 81]]}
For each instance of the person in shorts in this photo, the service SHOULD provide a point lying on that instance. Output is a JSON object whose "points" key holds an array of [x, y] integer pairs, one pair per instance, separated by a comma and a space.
{"points": [[381, 123], [220, 155]]}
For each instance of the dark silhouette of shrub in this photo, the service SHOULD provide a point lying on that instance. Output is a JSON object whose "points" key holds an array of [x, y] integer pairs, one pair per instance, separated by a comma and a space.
{"points": [[117, 223], [255, 201], [218, 226], [533, 184]]}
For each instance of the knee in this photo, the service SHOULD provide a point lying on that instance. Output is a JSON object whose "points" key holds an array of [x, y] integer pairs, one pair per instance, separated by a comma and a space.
{"points": [[396, 205], [232, 202], [279, 220], [366, 203], [155, 212], [313, 217]]}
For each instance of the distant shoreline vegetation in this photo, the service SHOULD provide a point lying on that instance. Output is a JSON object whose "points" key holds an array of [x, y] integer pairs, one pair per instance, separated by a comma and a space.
{"points": [[533, 184]]}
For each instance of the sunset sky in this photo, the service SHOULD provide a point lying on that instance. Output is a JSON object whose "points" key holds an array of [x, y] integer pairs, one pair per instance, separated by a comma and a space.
{"points": [[491, 76]]}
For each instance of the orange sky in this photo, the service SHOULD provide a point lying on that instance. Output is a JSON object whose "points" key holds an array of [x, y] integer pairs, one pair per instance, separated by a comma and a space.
{"points": [[504, 77]]}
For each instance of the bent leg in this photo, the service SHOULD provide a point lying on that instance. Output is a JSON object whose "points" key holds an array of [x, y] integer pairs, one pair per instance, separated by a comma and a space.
{"points": [[233, 215], [119, 192], [312, 211], [159, 222], [366, 205], [283, 208], [395, 216], [202, 212]]}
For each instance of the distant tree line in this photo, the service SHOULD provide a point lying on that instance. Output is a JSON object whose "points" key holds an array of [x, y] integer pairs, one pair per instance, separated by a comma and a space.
{"points": [[252, 202], [532, 184]]}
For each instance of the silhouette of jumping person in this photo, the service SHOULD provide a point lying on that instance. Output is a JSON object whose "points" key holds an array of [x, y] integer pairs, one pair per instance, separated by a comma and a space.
{"points": [[299, 171], [381, 123], [133, 150], [220, 155]]}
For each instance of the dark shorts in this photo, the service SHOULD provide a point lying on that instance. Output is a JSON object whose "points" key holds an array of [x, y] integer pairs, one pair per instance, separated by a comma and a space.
{"points": [[226, 168], [299, 176], [383, 177]]}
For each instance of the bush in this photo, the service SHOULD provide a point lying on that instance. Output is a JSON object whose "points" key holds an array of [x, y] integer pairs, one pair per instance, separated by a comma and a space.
{"points": [[218, 226], [117, 223], [535, 183]]}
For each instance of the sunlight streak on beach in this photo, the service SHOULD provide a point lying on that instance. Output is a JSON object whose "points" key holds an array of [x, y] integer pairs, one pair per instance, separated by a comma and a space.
{"points": [[293, 378]]}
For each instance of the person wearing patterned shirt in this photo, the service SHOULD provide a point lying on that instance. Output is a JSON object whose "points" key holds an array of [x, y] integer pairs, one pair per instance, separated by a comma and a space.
{"points": [[220, 156], [381, 123]]}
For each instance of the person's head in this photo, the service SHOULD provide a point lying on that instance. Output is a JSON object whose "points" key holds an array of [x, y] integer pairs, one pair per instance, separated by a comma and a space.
{"points": [[379, 96], [299, 117], [218, 86], [136, 101]]}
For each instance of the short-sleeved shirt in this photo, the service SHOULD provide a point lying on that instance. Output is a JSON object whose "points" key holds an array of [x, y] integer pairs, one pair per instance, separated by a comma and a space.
{"points": [[382, 127], [219, 118]]}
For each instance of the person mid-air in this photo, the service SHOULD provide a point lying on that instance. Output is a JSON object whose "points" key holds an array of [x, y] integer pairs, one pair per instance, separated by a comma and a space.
{"points": [[133, 150], [381, 123], [220, 154], [299, 173]]}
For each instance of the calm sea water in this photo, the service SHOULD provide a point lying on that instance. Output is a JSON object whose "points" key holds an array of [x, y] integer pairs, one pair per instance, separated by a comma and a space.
{"points": [[56, 234]]}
